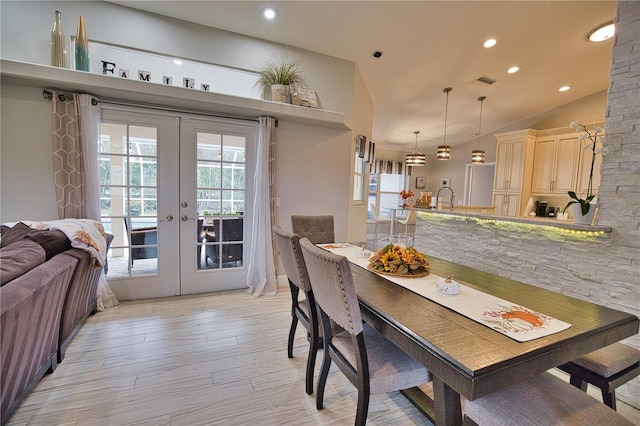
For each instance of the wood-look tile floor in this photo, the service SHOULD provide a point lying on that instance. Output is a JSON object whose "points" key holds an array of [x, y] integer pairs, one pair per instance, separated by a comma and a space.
{"points": [[199, 360]]}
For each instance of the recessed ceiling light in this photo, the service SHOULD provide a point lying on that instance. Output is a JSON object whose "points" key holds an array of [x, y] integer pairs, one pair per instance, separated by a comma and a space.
{"points": [[490, 43], [513, 70], [602, 33], [177, 61], [564, 88], [377, 54], [269, 13]]}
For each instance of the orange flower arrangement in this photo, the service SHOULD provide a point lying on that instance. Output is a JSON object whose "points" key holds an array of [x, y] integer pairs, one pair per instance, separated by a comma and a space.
{"points": [[395, 260], [406, 194]]}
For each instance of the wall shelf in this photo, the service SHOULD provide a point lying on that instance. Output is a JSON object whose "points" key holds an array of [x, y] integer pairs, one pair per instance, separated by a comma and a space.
{"points": [[141, 92]]}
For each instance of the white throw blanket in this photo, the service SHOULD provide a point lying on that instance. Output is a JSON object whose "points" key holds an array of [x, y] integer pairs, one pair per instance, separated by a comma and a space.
{"points": [[84, 234]]}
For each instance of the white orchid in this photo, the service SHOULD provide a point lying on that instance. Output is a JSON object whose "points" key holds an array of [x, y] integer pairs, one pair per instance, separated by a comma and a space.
{"points": [[592, 138]]}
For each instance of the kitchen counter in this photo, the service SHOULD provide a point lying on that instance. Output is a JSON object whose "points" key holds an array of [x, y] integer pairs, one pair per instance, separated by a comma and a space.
{"points": [[461, 212]]}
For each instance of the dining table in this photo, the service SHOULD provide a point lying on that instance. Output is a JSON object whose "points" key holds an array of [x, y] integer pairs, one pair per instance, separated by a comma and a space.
{"points": [[467, 358]]}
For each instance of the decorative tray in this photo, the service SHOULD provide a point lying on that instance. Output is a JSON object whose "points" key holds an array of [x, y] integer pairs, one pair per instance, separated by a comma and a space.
{"points": [[418, 274]]}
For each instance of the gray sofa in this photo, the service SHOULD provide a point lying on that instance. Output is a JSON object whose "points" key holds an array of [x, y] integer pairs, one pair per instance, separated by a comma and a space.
{"points": [[48, 290]]}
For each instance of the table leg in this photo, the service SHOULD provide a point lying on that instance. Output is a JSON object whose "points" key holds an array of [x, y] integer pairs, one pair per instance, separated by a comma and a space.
{"points": [[447, 404], [392, 227]]}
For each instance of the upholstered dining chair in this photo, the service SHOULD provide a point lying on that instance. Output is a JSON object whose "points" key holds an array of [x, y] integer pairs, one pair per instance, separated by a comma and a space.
{"points": [[369, 360], [318, 229], [541, 400], [380, 221], [302, 309]]}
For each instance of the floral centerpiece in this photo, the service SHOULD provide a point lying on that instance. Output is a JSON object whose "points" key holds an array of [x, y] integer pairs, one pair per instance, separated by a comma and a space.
{"points": [[406, 194], [593, 143], [396, 260]]}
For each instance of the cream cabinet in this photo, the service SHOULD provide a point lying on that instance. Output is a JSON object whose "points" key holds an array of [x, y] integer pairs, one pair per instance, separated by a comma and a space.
{"points": [[507, 203], [555, 164], [512, 178]]}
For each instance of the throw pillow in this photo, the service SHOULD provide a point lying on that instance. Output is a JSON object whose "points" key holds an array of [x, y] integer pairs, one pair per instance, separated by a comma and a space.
{"points": [[18, 259], [53, 242], [15, 233]]}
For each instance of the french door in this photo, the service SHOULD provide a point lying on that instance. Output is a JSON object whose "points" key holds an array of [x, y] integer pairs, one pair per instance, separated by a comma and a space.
{"points": [[174, 195]]}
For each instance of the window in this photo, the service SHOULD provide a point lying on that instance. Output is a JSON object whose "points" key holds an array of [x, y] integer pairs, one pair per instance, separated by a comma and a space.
{"points": [[384, 190]]}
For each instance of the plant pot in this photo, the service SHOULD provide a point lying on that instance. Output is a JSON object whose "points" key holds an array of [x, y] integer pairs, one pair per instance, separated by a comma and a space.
{"points": [[579, 218], [280, 93]]}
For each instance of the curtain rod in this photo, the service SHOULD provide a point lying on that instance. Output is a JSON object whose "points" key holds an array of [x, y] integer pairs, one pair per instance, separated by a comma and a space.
{"points": [[62, 97]]}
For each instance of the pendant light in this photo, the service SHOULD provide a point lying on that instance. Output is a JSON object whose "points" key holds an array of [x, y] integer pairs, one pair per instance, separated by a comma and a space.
{"points": [[477, 155], [444, 150], [416, 158]]}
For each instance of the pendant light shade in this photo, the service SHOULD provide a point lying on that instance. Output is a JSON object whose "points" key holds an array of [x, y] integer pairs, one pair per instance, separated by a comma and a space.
{"points": [[444, 150], [416, 158], [477, 155]]}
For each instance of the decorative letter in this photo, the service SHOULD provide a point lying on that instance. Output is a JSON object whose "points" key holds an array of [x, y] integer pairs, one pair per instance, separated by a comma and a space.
{"points": [[144, 75], [189, 83], [108, 67], [167, 80], [123, 73], [205, 87]]}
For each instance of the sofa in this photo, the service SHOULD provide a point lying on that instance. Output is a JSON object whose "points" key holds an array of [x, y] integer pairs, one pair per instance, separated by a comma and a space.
{"points": [[48, 289]]}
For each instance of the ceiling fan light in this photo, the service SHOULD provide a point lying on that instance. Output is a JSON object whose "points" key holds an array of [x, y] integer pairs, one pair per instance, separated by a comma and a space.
{"points": [[477, 156], [444, 152]]}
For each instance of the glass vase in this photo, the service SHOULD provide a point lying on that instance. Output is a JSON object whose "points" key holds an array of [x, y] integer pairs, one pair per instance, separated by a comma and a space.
{"points": [[82, 47], [58, 42]]}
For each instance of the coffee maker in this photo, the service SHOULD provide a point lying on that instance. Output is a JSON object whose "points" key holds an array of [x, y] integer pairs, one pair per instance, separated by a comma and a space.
{"points": [[541, 208]]}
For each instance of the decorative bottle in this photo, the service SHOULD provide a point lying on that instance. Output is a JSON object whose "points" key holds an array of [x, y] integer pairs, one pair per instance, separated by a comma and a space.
{"points": [[82, 47], [58, 43]]}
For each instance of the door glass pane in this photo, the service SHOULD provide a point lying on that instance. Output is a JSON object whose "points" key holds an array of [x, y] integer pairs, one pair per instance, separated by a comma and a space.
{"points": [[129, 197], [220, 195]]}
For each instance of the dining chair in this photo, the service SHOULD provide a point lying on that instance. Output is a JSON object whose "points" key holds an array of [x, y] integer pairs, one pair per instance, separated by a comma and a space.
{"points": [[379, 220], [318, 229], [606, 368], [542, 400], [302, 309], [408, 222], [371, 362]]}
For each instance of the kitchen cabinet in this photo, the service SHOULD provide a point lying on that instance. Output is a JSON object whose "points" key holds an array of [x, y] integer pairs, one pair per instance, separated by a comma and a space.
{"points": [[507, 204], [555, 164], [513, 171]]}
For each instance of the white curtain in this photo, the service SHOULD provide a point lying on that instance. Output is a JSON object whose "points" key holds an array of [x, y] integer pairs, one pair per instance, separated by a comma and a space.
{"points": [[89, 126], [261, 271]]}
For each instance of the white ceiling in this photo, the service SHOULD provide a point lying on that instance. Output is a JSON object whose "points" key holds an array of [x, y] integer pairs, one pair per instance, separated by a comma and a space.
{"points": [[430, 45]]}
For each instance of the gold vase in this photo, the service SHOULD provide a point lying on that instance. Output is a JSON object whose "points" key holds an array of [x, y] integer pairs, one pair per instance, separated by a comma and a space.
{"points": [[82, 47]]}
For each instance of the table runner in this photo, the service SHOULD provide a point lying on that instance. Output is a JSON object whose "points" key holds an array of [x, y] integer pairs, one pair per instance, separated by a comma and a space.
{"points": [[512, 320]]}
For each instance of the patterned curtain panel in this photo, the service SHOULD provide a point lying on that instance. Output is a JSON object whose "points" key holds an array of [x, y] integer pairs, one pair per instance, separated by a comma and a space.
{"points": [[390, 167], [67, 158], [261, 272]]}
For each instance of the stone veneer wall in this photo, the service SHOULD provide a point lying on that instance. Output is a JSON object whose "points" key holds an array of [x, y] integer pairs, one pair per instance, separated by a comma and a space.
{"points": [[603, 269]]}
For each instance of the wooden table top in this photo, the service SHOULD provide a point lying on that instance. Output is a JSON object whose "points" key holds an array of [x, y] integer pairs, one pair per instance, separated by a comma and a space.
{"points": [[471, 358]]}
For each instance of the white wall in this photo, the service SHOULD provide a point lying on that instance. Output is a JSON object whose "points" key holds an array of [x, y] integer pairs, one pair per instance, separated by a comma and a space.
{"points": [[26, 161]]}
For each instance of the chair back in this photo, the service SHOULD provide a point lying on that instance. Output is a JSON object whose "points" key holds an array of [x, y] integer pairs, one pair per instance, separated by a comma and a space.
{"points": [[288, 246], [411, 219], [374, 212], [318, 229], [333, 288]]}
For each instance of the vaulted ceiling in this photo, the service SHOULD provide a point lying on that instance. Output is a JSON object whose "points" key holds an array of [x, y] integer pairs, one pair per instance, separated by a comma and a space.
{"points": [[430, 45]]}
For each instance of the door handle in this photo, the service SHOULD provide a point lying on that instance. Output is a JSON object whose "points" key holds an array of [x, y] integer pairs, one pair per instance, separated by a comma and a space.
{"points": [[169, 218], [185, 218]]}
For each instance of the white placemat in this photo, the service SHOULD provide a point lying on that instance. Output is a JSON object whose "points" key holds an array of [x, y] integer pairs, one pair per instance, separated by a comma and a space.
{"points": [[512, 320]]}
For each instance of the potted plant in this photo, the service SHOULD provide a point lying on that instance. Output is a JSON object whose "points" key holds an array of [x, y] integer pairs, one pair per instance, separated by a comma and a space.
{"points": [[276, 75], [583, 209]]}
